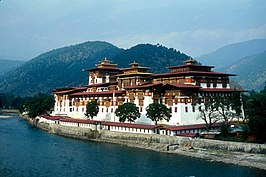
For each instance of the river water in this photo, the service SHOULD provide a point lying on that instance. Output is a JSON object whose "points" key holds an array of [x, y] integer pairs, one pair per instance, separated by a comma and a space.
{"points": [[28, 151]]}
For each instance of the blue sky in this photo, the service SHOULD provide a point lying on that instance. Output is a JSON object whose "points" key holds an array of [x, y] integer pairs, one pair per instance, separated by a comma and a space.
{"points": [[195, 27]]}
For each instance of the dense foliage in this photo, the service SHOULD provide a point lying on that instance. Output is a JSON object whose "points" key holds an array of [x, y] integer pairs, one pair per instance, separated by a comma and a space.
{"points": [[127, 112], [156, 57], [57, 68], [158, 112], [256, 114], [37, 105], [92, 109], [222, 109]]}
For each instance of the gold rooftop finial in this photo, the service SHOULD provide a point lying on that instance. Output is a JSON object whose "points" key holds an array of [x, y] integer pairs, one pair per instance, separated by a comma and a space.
{"points": [[190, 61]]}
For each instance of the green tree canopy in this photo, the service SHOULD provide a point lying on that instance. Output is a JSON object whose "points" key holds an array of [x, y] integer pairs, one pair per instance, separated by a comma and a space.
{"points": [[37, 105], [157, 112], [256, 113], [127, 111], [92, 109]]}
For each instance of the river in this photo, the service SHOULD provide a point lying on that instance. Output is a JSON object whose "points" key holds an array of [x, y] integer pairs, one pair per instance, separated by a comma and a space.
{"points": [[26, 151]]}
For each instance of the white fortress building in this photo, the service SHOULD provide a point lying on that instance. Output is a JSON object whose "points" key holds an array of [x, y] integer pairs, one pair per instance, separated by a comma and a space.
{"points": [[179, 89]]}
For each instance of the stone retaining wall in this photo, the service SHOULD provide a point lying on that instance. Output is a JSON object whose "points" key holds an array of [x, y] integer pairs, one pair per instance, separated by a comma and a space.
{"points": [[154, 142]]}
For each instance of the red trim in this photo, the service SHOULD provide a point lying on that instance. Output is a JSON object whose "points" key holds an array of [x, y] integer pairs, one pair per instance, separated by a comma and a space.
{"points": [[98, 93], [189, 127], [103, 68], [69, 90], [48, 117], [102, 84], [189, 86], [220, 90], [187, 134], [117, 124], [142, 86], [189, 65], [192, 73]]}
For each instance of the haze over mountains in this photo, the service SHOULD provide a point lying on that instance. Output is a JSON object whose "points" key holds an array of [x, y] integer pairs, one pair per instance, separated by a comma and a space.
{"points": [[246, 59], [9, 65], [226, 56]]}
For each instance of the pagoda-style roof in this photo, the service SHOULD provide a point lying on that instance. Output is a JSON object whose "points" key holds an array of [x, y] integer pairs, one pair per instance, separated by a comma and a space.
{"points": [[190, 65], [134, 70], [104, 65]]}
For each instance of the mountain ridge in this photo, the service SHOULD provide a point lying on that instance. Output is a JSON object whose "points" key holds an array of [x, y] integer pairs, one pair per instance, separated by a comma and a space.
{"points": [[227, 55], [62, 67]]}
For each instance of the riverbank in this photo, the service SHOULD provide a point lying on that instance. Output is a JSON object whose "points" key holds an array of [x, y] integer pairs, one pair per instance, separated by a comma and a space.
{"points": [[244, 154], [8, 113]]}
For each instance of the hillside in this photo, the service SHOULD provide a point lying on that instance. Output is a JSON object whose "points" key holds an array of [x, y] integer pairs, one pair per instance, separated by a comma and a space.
{"points": [[251, 71], [63, 67], [156, 57], [9, 65], [57, 68], [228, 55]]}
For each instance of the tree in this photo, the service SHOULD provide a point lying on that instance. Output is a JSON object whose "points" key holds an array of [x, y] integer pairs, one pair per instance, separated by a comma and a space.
{"points": [[256, 113], [157, 112], [127, 111], [37, 105], [208, 112], [92, 109]]}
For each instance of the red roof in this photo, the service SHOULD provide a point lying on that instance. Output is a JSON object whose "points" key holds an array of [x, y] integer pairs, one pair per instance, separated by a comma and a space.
{"points": [[189, 65], [189, 127], [187, 134], [203, 73], [103, 68], [189, 86], [133, 125], [48, 117], [102, 84], [85, 121], [142, 86], [70, 90], [98, 93], [117, 124]]}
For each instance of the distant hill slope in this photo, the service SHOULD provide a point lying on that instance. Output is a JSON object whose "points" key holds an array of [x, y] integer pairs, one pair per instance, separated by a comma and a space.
{"points": [[156, 57], [251, 71], [8, 65], [63, 67], [57, 68], [229, 54]]}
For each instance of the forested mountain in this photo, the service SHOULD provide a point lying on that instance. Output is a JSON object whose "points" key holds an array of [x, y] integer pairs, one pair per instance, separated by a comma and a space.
{"points": [[251, 71], [228, 55], [57, 68], [156, 57], [9, 65], [63, 67]]}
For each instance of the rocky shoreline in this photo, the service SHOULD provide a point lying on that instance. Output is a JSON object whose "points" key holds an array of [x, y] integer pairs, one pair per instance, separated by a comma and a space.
{"points": [[238, 158], [254, 160]]}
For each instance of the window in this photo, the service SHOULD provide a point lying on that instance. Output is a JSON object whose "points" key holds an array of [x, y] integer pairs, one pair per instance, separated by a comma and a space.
{"points": [[70, 109], [175, 109], [193, 108], [186, 109]]}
